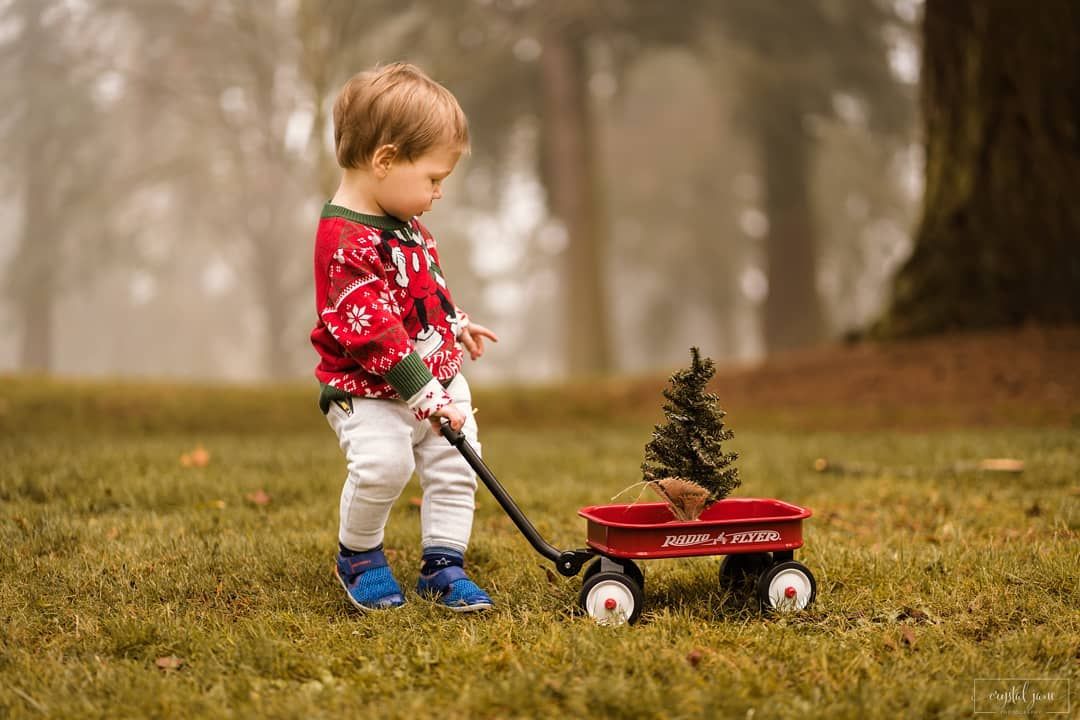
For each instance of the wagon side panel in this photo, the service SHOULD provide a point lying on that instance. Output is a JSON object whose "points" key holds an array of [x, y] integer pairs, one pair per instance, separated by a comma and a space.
{"points": [[706, 539]]}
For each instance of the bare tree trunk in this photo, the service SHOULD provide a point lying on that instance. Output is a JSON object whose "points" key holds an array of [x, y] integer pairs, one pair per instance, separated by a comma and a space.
{"points": [[277, 359], [33, 282], [997, 245], [316, 67], [571, 177], [268, 230], [793, 315], [34, 266]]}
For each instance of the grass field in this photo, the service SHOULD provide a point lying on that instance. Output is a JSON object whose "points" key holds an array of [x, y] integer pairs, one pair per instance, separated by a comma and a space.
{"points": [[135, 585]]}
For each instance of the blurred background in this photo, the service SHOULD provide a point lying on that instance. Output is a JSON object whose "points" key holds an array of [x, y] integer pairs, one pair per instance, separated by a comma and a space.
{"points": [[741, 175]]}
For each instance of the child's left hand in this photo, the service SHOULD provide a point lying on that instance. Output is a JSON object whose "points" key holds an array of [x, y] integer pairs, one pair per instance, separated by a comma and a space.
{"points": [[472, 337]]}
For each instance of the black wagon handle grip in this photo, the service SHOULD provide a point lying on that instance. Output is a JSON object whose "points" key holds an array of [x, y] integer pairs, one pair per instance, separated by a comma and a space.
{"points": [[454, 437]]}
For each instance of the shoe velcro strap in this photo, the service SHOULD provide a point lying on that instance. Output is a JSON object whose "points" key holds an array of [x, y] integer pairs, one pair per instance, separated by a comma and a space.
{"points": [[443, 579], [362, 562]]}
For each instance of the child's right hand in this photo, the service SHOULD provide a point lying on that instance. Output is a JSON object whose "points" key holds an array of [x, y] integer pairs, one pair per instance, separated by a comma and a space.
{"points": [[453, 415]]}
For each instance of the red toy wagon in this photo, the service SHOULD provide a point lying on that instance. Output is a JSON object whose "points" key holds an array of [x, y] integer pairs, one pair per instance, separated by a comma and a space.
{"points": [[758, 536]]}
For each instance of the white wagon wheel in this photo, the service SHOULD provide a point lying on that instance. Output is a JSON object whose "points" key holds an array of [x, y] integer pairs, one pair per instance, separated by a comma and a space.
{"points": [[786, 587], [612, 598]]}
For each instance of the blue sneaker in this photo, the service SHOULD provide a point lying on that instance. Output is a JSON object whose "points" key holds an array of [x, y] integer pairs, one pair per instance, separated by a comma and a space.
{"points": [[452, 588], [368, 581]]}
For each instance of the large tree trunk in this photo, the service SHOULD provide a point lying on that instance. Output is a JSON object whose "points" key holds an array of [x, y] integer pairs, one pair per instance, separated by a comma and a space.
{"points": [[793, 314], [998, 244], [571, 177]]}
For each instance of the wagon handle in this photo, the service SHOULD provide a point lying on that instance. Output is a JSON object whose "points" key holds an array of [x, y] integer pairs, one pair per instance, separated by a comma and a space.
{"points": [[567, 562]]}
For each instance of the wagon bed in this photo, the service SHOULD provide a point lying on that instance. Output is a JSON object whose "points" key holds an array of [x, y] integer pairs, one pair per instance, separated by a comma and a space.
{"points": [[728, 527]]}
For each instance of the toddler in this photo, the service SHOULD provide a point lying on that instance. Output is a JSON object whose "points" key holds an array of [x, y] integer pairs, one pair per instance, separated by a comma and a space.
{"points": [[388, 332]]}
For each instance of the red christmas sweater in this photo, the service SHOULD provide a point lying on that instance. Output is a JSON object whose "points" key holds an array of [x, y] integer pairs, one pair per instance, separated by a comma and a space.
{"points": [[387, 325]]}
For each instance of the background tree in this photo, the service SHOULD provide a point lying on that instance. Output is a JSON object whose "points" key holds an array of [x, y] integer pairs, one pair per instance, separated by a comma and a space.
{"points": [[557, 35], [797, 58], [77, 170], [997, 245], [674, 202], [34, 129], [229, 78]]}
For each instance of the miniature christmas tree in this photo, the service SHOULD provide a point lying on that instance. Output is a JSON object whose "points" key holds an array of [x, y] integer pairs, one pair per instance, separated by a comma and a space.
{"points": [[685, 462]]}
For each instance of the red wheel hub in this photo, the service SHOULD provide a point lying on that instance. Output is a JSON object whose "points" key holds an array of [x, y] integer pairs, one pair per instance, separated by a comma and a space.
{"points": [[610, 604], [789, 592]]}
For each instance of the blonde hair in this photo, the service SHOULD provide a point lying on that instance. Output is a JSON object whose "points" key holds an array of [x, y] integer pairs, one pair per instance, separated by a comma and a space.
{"points": [[397, 105]]}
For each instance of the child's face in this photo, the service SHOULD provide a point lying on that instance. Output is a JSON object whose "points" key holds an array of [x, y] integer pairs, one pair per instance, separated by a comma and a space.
{"points": [[408, 189]]}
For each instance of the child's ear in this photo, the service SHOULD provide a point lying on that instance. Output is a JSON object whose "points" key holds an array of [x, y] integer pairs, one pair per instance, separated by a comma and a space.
{"points": [[382, 159]]}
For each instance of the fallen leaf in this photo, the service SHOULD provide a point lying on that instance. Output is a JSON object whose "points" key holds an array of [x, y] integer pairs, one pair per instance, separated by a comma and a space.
{"points": [[554, 687], [919, 615], [169, 663], [219, 504], [1034, 511], [259, 497], [200, 457], [550, 575], [112, 533], [1009, 465], [907, 636], [694, 657]]}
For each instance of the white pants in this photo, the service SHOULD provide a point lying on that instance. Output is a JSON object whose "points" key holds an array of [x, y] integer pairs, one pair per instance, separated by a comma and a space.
{"points": [[383, 443]]}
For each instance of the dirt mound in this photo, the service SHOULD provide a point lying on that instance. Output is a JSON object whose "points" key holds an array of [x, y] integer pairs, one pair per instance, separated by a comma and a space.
{"points": [[1024, 377]]}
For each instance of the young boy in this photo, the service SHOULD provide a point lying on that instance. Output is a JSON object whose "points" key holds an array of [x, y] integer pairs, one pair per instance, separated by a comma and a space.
{"points": [[387, 335]]}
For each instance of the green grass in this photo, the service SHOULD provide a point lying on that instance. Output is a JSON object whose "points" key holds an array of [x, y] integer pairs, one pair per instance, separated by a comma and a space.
{"points": [[115, 555]]}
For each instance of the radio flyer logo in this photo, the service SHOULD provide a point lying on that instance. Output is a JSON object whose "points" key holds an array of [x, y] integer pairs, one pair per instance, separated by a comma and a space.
{"points": [[744, 537]]}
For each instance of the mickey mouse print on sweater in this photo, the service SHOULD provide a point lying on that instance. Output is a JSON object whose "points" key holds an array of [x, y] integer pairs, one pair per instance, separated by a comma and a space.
{"points": [[420, 286]]}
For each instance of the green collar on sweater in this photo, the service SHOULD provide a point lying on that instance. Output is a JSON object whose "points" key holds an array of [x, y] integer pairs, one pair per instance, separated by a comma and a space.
{"points": [[383, 222]]}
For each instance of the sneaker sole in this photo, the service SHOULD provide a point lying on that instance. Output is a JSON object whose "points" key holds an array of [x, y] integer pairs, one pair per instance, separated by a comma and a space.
{"points": [[478, 607], [358, 606], [475, 607]]}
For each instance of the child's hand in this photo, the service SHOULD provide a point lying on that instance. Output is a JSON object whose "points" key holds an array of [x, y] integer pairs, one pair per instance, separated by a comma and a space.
{"points": [[472, 337], [454, 416]]}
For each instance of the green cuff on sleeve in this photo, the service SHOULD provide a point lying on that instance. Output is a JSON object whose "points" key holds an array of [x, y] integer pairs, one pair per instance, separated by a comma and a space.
{"points": [[409, 376]]}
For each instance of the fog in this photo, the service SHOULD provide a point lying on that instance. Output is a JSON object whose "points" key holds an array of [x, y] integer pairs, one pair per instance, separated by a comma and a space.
{"points": [[752, 175]]}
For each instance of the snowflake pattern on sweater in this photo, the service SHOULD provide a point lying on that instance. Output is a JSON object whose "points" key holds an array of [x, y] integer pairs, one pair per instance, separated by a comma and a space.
{"points": [[387, 325]]}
